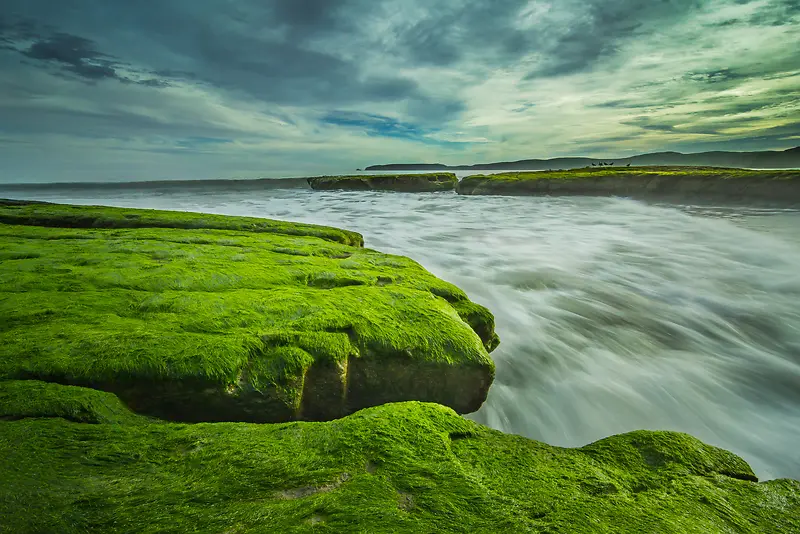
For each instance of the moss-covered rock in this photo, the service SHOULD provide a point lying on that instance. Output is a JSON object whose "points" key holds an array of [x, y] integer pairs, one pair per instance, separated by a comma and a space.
{"points": [[642, 182], [406, 467], [409, 183], [32, 213], [196, 317]]}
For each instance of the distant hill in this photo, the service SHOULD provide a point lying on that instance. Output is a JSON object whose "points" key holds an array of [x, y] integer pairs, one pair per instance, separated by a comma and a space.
{"points": [[771, 159]]}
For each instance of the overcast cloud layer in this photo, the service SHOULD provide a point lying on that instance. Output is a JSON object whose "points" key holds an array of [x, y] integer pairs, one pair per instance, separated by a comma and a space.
{"points": [[149, 90]]}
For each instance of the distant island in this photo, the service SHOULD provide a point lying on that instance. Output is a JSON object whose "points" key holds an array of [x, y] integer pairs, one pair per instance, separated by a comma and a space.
{"points": [[771, 159]]}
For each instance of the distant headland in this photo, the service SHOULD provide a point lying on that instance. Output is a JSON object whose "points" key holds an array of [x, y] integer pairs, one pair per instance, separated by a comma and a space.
{"points": [[771, 159]]}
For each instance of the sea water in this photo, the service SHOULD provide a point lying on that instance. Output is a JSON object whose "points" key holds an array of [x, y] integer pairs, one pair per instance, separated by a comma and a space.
{"points": [[614, 314]]}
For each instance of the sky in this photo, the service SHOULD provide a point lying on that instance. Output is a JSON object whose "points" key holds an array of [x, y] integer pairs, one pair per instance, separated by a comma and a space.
{"points": [[113, 90]]}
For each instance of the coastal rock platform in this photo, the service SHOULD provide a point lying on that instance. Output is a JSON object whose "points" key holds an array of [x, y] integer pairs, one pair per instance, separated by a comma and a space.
{"points": [[195, 317]]}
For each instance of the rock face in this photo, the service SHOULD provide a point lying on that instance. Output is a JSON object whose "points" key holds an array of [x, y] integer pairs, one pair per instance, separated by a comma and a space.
{"points": [[76, 460], [194, 317], [409, 183], [643, 182]]}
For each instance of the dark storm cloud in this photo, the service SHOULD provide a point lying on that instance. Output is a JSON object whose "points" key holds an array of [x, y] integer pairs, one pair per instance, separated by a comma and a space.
{"points": [[11, 29], [773, 13], [314, 17], [716, 76], [621, 104], [604, 29], [777, 13], [271, 50], [451, 32], [647, 123], [69, 53], [74, 54], [263, 49], [724, 23]]}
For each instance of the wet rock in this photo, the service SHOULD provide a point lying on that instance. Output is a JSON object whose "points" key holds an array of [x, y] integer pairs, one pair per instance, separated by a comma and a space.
{"points": [[409, 183], [189, 317]]}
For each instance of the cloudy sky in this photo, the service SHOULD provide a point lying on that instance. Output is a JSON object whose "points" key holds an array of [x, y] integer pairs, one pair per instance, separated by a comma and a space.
{"points": [[111, 90]]}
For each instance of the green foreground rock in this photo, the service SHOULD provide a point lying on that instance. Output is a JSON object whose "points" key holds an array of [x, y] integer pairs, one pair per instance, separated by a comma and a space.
{"points": [[409, 183], [194, 317], [76, 460], [643, 182]]}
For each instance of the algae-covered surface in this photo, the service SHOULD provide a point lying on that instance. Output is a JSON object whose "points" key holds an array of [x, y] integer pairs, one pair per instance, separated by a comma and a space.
{"points": [[66, 216], [656, 180], [114, 320], [76, 460], [595, 172], [196, 317], [431, 182]]}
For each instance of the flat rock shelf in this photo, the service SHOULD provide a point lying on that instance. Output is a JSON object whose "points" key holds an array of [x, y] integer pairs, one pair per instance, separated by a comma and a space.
{"points": [[643, 182], [76, 460], [408, 183], [194, 317]]}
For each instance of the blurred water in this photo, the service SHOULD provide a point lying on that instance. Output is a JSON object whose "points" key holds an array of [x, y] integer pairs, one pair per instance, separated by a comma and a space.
{"points": [[614, 315]]}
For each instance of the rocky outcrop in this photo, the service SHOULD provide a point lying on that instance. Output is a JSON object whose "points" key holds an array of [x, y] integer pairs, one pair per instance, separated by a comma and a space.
{"points": [[643, 182], [76, 460], [408, 183], [194, 317]]}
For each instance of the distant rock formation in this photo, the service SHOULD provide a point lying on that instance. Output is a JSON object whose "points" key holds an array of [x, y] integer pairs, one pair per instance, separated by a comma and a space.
{"points": [[409, 183], [645, 182]]}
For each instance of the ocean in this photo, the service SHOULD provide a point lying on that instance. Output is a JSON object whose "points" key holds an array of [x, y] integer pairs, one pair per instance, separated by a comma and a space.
{"points": [[614, 314]]}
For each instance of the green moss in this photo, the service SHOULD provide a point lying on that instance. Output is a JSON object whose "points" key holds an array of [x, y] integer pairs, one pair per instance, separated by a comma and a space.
{"points": [[643, 182], [221, 324], [21, 399], [643, 172], [407, 467], [443, 181], [61, 215]]}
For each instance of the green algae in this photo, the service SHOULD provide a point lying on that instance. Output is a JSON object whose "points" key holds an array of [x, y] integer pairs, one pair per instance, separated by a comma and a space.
{"points": [[231, 324], [65, 216], [642, 182], [23, 399], [598, 172], [442, 181], [404, 467]]}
